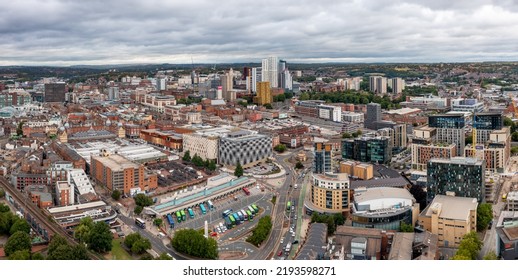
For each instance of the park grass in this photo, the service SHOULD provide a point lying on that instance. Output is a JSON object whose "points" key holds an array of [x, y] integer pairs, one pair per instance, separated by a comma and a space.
{"points": [[117, 252]]}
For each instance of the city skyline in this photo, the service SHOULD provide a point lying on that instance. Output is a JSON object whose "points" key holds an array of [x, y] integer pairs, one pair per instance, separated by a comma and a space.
{"points": [[63, 33]]}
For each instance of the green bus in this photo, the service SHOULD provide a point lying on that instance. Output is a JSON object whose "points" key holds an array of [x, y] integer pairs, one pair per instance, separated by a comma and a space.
{"points": [[232, 220], [255, 208], [178, 216], [250, 215], [183, 215], [288, 206]]}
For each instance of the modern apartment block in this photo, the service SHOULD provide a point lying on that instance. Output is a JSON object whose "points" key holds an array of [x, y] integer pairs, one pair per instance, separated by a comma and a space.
{"points": [[64, 194], [244, 147], [264, 95], [115, 172], [329, 193], [486, 123], [495, 152], [397, 85], [378, 84], [450, 128], [367, 149], [450, 217], [424, 150], [461, 176], [270, 67], [323, 158]]}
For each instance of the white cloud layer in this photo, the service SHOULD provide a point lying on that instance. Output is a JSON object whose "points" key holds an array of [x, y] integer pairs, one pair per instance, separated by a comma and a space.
{"points": [[67, 32]]}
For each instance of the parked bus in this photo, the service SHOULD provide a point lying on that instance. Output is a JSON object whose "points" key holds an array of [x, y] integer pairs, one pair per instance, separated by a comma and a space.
{"points": [[288, 206], [140, 223], [191, 213], [226, 213], [255, 208], [202, 207], [246, 191], [178, 216], [183, 215], [170, 220], [232, 219], [211, 206], [250, 216], [251, 210], [245, 215], [240, 215], [236, 217], [228, 223]]}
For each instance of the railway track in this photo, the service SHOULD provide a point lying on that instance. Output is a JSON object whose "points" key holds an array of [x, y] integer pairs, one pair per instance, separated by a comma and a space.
{"points": [[44, 219]]}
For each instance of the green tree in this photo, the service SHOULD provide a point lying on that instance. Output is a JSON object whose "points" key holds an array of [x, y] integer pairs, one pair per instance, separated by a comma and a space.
{"points": [[100, 238], [268, 106], [327, 219], [82, 232], [131, 238], [469, 247], [19, 128], [484, 216], [157, 222], [20, 255], [138, 209], [514, 136], [20, 225], [281, 148], [79, 253], [491, 256], [140, 246], [514, 150], [4, 208], [239, 170], [62, 252], [146, 257], [116, 194], [212, 165], [164, 256], [468, 140], [2, 193], [304, 96], [143, 200], [261, 231], [55, 242], [299, 165], [187, 156], [346, 135], [37, 257], [7, 220], [404, 227], [193, 243], [19, 241], [509, 122]]}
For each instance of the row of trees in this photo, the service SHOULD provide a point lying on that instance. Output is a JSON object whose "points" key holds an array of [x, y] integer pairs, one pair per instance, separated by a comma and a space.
{"points": [[484, 216], [261, 231], [354, 97], [331, 220], [469, 247], [199, 162], [10, 223], [59, 249], [193, 243], [96, 236]]}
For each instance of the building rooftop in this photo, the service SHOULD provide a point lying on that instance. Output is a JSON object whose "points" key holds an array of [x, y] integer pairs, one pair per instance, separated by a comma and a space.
{"points": [[314, 246], [451, 207], [381, 193], [459, 160], [402, 246], [373, 183], [404, 111], [116, 162]]}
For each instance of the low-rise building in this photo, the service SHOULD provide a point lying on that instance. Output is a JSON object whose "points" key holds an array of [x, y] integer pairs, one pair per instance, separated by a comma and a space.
{"points": [[384, 208], [450, 217]]}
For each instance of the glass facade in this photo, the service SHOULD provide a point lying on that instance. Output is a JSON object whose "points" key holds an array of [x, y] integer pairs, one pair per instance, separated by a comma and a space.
{"points": [[489, 121], [322, 161], [367, 149], [463, 178], [446, 121], [383, 221]]}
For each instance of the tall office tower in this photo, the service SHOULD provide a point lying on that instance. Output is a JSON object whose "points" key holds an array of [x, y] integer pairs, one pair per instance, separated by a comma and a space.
{"points": [[257, 74], [161, 84], [450, 129], [264, 95], [398, 85], [270, 67], [113, 93], [372, 83], [373, 115], [323, 158], [286, 81], [55, 92], [459, 175], [247, 72]]}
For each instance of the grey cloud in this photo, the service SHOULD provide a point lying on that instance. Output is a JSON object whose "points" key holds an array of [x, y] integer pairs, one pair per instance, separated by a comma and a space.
{"points": [[103, 32]]}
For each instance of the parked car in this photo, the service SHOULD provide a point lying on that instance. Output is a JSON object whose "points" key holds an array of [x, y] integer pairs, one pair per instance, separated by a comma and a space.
{"points": [[280, 253]]}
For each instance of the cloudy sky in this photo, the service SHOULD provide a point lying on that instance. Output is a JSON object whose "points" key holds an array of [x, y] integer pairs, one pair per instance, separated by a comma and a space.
{"points": [[69, 32]]}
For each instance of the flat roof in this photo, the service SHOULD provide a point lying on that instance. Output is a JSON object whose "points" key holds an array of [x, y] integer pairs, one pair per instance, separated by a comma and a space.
{"points": [[402, 246], [452, 207], [388, 182], [381, 193], [116, 162], [57, 210], [404, 111]]}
